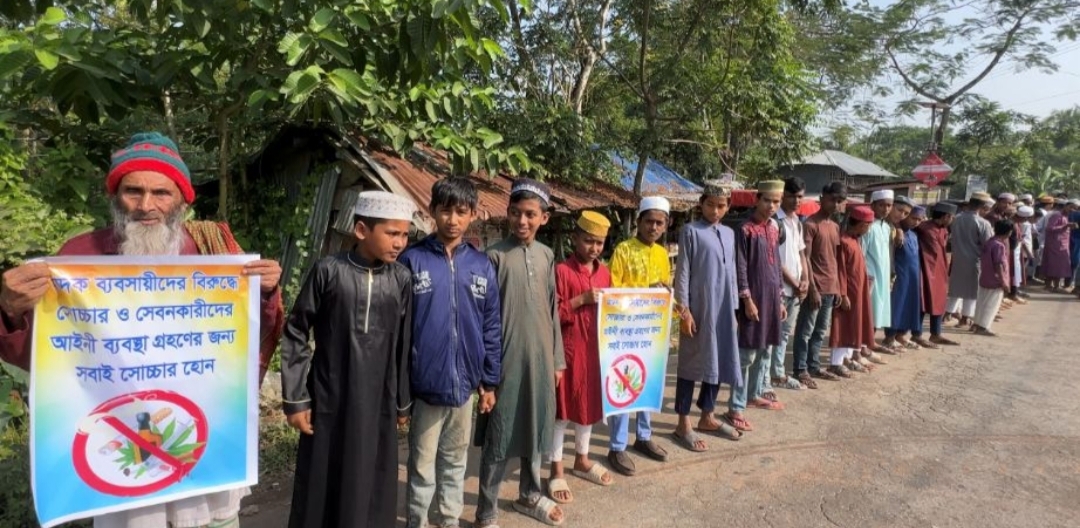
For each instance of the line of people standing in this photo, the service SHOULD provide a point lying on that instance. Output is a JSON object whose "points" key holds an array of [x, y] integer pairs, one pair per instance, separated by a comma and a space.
{"points": [[441, 332]]}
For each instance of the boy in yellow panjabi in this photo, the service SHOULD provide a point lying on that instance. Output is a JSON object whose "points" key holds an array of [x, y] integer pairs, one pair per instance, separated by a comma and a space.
{"points": [[641, 262]]}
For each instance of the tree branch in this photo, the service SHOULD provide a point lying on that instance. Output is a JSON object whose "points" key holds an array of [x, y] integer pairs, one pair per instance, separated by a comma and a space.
{"points": [[532, 81], [629, 83], [1009, 38], [642, 76], [908, 80]]}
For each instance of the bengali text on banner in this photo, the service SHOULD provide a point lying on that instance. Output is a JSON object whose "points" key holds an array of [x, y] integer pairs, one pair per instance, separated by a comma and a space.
{"points": [[143, 383]]}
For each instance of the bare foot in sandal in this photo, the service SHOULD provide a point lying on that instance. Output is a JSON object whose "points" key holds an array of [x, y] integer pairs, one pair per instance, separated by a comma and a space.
{"points": [[591, 471], [689, 439], [542, 509], [558, 489], [738, 421], [765, 403], [708, 422]]}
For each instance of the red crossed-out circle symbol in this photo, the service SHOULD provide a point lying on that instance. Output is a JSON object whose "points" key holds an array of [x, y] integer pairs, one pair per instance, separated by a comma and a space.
{"points": [[617, 375], [80, 448]]}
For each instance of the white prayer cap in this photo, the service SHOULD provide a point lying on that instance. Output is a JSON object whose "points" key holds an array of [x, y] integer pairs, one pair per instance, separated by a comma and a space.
{"points": [[1009, 197], [883, 194], [1026, 198], [657, 203], [384, 205], [1075, 202], [1025, 211]]}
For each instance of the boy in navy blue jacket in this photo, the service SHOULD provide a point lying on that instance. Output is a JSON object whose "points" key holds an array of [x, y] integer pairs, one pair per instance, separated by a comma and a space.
{"points": [[456, 352]]}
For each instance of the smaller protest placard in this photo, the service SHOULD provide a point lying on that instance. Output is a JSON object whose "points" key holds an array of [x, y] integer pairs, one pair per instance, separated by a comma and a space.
{"points": [[634, 331]]}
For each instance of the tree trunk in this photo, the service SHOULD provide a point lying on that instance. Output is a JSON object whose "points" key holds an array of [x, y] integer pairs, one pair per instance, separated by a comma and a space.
{"points": [[223, 167], [939, 133], [590, 51], [532, 81], [639, 175], [581, 81], [170, 119]]}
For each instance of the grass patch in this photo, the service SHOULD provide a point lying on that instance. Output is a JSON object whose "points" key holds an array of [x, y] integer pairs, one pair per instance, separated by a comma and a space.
{"points": [[277, 448]]}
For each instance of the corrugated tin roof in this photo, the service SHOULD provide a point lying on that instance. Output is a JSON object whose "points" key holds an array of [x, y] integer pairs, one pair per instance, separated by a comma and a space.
{"points": [[659, 180], [851, 165], [425, 165]]}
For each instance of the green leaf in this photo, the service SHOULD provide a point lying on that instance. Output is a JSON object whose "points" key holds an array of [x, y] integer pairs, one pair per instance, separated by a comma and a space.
{"points": [[185, 449], [474, 158], [339, 51], [430, 108], [183, 436], [492, 48], [322, 19], [265, 5], [334, 36], [258, 98], [141, 471], [489, 137], [12, 63], [47, 59], [169, 430], [52, 17], [359, 20], [203, 26], [349, 78], [294, 45]]}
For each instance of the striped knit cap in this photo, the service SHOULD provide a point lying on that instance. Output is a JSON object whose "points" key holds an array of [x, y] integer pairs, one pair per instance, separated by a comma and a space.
{"points": [[150, 151]]}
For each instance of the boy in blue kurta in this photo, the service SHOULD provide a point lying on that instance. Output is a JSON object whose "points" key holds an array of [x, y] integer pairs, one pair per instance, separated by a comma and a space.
{"points": [[907, 289], [705, 293]]}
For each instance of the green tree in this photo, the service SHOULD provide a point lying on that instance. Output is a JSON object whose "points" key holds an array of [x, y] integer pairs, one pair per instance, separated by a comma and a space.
{"points": [[933, 46], [403, 71], [717, 76]]}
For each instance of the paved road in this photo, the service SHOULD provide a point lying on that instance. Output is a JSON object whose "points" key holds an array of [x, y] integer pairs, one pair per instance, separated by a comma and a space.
{"points": [[986, 434]]}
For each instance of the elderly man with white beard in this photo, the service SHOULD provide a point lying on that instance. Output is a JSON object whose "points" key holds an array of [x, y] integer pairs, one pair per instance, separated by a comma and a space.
{"points": [[150, 190]]}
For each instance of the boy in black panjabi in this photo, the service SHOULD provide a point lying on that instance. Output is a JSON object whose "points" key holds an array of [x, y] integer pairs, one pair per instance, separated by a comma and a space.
{"points": [[344, 399]]}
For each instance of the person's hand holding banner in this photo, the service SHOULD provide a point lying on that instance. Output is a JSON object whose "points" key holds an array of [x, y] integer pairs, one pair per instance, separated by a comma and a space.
{"points": [[269, 272], [23, 287]]}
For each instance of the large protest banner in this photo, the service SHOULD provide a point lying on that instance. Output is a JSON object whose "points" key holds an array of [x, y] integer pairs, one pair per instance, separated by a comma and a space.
{"points": [[634, 331], [143, 383]]}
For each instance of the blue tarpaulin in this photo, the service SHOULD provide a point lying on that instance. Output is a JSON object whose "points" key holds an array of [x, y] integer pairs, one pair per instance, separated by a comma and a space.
{"points": [[658, 179]]}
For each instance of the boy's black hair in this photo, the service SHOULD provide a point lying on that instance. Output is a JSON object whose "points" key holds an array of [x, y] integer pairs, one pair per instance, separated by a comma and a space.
{"points": [[1003, 227], [521, 196], [837, 189], [937, 215], [368, 221], [977, 203], [794, 185], [454, 191]]}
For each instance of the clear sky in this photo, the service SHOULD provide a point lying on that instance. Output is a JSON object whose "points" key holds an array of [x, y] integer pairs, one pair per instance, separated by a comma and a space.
{"points": [[1030, 91]]}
